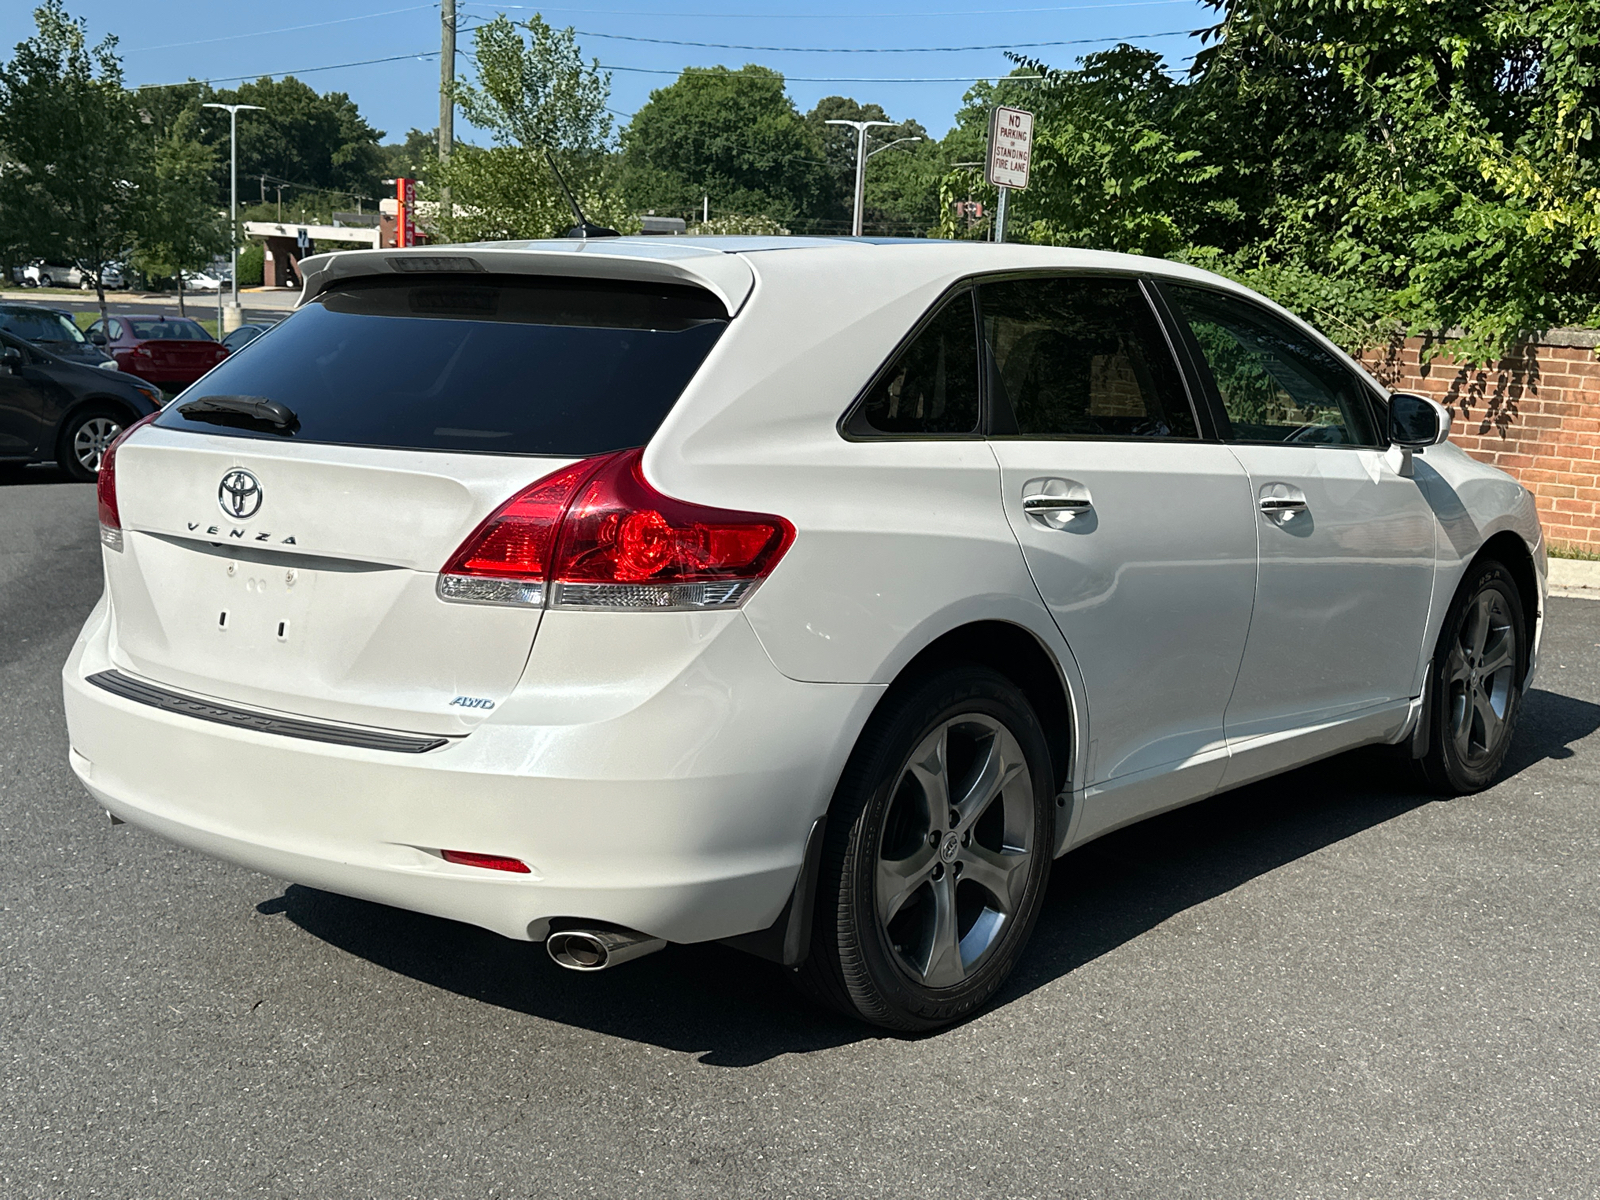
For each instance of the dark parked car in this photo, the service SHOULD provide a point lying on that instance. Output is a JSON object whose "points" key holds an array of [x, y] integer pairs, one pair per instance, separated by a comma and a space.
{"points": [[170, 352], [52, 330], [243, 336], [54, 409]]}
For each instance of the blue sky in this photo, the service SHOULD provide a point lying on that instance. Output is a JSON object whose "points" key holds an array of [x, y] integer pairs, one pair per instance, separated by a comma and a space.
{"points": [[171, 40]]}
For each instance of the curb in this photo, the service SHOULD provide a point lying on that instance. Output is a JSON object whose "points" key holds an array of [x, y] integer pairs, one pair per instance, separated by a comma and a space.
{"points": [[1575, 578]]}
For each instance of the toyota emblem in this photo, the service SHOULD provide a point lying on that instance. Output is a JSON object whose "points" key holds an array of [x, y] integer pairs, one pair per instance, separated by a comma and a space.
{"points": [[239, 495]]}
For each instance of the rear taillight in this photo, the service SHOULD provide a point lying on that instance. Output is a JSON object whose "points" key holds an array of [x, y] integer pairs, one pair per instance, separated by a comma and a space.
{"points": [[596, 535], [105, 486]]}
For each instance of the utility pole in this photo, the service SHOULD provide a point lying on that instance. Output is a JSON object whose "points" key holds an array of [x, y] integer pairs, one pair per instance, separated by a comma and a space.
{"points": [[861, 128], [447, 101], [234, 313]]}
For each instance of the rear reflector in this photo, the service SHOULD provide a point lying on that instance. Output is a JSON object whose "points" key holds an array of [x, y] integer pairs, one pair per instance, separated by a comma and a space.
{"points": [[105, 486], [596, 535], [492, 862]]}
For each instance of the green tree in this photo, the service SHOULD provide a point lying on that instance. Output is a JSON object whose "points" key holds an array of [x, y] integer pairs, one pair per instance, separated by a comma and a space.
{"points": [[902, 181], [533, 94], [315, 142], [74, 148], [734, 136], [180, 228]]}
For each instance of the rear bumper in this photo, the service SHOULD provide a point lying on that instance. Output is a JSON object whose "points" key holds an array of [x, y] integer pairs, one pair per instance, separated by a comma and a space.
{"points": [[680, 809]]}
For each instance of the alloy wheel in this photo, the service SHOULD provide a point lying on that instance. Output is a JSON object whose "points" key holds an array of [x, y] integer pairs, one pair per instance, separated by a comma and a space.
{"points": [[92, 439], [1480, 673], [956, 849]]}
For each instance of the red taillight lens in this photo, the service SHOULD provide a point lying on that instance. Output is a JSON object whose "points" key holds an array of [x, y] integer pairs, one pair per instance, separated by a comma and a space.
{"points": [[625, 545], [606, 539], [105, 487], [506, 560], [493, 862]]}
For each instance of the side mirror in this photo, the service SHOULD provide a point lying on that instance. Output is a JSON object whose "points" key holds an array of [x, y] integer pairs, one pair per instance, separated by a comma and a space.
{"points": [[97, 337], [1415, 422], [10, 358]]}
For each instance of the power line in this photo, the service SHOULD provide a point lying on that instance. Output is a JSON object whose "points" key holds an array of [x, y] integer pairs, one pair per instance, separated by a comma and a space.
{"points": [[234, 37], [628, 37], [836, 78], [970, 14], [366, 62]]}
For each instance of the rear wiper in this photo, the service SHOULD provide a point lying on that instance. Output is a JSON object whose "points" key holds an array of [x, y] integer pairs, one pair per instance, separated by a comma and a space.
{"points": [[251, 408]]}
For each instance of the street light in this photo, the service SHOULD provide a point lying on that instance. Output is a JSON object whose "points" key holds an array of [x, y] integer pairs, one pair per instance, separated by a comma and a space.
{"points": [[861, 128], [233, 201]]}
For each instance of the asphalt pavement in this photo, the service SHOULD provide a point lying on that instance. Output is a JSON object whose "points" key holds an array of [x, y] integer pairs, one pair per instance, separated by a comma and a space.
{"points": [[1326, 985]]}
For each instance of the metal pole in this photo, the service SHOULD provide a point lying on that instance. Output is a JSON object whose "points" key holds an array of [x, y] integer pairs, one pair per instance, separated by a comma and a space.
{"points": [[1000, 216], [447, 101], [861, 180], [233, 200], [861, 128], [233, 192]]}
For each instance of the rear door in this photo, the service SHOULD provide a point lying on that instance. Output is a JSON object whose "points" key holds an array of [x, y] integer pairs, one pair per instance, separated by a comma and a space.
{"points": [[1346, 542], [293, 568], [1138, 531]]}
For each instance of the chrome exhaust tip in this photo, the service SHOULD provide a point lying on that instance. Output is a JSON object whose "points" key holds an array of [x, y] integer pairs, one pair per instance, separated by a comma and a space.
{"points": [[597, 949]]}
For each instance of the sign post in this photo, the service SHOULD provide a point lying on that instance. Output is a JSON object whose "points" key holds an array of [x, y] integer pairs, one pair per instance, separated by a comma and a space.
{"points": [[405, 220], [1010, 154]]}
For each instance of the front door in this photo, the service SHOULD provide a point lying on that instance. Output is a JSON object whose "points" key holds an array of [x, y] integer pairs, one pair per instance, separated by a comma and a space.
{"points": [[1139, 534], [22, 402], [1346, 541]]}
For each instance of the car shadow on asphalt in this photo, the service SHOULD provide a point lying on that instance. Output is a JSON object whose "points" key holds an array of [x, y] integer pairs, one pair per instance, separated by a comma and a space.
{"points": [[15, 474], [735, 1011]]}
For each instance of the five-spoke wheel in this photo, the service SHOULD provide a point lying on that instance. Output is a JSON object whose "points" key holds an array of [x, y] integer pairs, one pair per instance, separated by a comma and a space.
{"points": [[1476, 682], [84, 441], [938, 847]]}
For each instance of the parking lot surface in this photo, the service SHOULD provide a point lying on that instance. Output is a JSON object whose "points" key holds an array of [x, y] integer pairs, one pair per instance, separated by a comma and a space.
{"points": [[1326, 985]]}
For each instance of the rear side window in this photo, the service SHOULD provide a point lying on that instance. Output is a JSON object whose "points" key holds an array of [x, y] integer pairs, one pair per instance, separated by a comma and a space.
{"points": [[510, 365], [1081, 357], [931, 387]]}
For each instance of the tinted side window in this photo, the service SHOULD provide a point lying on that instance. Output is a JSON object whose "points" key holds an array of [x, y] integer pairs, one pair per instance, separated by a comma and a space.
{"points": [[1277, 383], [932, 387], [1082, 357]]}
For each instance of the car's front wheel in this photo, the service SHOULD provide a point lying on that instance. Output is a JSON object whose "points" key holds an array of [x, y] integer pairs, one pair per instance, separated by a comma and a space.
{"points": [[937, 853], [85, 438], [1476, 682]]}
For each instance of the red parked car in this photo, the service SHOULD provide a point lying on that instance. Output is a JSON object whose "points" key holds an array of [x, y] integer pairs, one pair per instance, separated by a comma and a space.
{"points": [[170, 352]]}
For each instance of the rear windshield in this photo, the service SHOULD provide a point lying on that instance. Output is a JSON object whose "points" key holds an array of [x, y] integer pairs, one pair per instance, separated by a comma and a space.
{"points": [[161, 329], [523, 365], [38, 325]]}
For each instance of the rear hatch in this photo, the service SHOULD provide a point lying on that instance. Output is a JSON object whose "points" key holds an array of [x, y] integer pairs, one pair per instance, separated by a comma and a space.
{"points": [[292, 566]]}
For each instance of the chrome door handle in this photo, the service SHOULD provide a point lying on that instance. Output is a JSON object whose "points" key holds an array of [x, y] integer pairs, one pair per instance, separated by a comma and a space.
{"points": [[1072, 505], [1275, 506], [1281, 502]]}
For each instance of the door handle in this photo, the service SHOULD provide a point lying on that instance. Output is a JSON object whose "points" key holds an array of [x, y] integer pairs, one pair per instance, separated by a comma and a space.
{"points": [[1056, 503], [1282, 502], [1066, 505]]}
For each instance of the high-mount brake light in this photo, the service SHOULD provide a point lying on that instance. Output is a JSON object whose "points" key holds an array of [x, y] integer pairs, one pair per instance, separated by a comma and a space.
{"points": [[105, 488], [596, 535]]}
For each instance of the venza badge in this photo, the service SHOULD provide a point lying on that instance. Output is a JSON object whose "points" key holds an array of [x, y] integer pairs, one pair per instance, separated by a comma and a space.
{"points": [[239, 494]]}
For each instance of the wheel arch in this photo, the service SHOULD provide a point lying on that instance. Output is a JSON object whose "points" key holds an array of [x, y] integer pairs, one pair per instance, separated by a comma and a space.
{"points": [[57, 446], [1508, 547], [1016, 653]]}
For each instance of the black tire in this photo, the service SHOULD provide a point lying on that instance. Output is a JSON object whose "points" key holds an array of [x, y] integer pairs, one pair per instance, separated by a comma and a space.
{"points": [[962, 875], [1476, 682], [85, 434]]}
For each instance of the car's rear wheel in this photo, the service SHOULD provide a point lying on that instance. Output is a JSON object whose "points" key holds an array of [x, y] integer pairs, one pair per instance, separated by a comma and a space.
{"points": [[85, 438], [938, 849], [1477, 682]]}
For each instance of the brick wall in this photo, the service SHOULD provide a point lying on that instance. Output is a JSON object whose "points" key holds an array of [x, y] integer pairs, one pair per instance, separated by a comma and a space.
{"points": [[1534, 414]]}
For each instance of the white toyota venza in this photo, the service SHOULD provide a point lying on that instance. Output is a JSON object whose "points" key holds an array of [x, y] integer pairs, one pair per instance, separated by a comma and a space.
{"points": [[808, 595]]}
